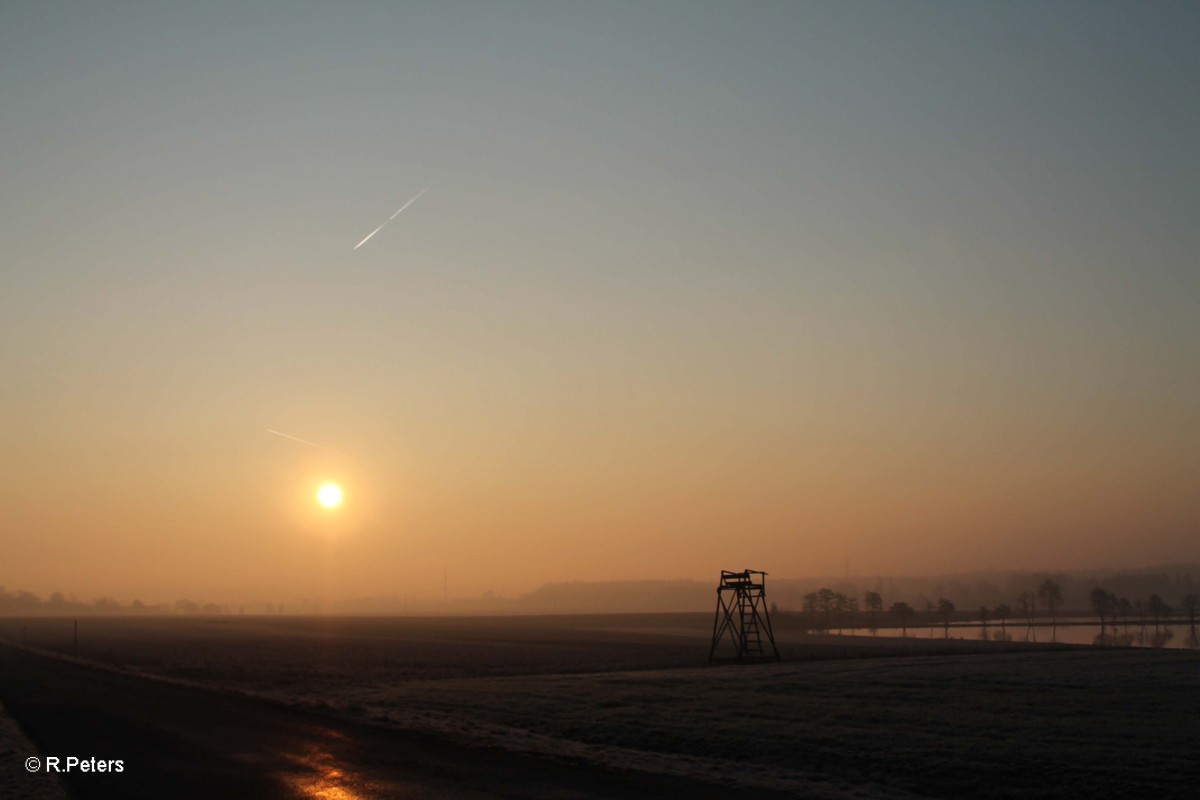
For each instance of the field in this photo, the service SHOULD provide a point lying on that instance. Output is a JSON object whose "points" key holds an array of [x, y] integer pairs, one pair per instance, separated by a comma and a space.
{"points": [[841, 717]]}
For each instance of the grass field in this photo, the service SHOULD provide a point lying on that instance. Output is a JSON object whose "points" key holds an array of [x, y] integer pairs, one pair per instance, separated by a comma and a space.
{"points": [[928, 718]]}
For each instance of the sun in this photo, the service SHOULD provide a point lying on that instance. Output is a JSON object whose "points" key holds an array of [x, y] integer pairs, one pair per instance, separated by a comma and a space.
{"points": [[329, 495]]}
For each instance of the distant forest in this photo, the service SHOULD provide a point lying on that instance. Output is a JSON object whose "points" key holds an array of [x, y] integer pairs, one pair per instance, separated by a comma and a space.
{"points": [[786, 595]]}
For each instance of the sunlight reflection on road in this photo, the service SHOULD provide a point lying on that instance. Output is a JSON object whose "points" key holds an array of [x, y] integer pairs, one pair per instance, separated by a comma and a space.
{"points": [[321, 777]]}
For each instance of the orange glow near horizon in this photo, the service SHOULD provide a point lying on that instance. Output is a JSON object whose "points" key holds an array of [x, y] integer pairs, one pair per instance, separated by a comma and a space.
{"points": [[837, 297]]}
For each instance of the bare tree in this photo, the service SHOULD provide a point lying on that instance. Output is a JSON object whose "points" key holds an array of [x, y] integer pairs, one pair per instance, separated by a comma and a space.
{"points": [[874, 603], [812, 610], [850, 608], [1126, 608], [1158, 609], [945, 609], [1050, 593], [1103, 604], [1191, 605], [984, 615], [1025, 603], [904, 614], [839, 610], [1002, 612], [827, 600]]}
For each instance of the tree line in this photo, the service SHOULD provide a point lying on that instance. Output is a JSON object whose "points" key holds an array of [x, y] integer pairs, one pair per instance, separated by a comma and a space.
{"points": [[1113, 610], [826, 610], [22, 603]]}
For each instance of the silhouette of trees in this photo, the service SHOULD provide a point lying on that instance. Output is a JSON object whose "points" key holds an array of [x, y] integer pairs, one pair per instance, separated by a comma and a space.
{"points": [[904, 614], [874, 603], [1027, 602], [847, 609], [1126, 608], [824, 608], [827, 603], [1191, 605], [185, 606], [945, 608], [19, 602], [106, 605], [1105, 605], [1158, 609], [1050, 593], [808, 611], [1002, 612]]}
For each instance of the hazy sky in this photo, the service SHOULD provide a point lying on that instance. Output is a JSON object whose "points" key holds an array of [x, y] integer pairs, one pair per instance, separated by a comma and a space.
{"points": [[912, 286]]}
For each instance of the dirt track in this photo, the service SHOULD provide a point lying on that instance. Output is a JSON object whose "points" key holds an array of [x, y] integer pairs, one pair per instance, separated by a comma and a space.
{"points": [[187, 743]]}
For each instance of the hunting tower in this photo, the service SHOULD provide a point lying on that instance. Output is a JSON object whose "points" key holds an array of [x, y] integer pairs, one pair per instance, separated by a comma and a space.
{"points": [[742, 617]]}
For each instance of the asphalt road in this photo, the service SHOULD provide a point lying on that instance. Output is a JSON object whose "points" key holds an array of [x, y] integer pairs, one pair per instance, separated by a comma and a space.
{"points": [[181, 742]]}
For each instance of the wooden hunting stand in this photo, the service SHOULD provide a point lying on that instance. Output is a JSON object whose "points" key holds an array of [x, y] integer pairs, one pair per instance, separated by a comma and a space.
{"points": [[743, 616]]}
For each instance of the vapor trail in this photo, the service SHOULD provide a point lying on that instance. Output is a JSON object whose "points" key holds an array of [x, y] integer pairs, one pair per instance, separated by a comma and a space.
{"points": [[392, 217], [297, 439]]}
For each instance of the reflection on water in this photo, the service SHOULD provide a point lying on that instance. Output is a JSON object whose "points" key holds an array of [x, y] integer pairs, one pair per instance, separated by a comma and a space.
{"points": [[1166, 636], [1143, 638]]}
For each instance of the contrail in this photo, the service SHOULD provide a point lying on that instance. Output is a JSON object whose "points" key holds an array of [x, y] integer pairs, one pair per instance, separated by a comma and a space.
{"points": [[392, 217], [298, 439]]}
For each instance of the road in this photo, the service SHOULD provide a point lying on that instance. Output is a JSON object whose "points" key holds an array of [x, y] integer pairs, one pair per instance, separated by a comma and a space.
{"points": [[182, 742]]}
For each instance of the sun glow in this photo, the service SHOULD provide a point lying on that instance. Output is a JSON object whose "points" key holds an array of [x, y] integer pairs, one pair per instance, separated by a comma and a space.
{"points": [[330, 495]]}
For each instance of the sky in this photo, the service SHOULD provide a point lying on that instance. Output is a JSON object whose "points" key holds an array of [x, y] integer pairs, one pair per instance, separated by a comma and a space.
{"points": [[893, 288]]}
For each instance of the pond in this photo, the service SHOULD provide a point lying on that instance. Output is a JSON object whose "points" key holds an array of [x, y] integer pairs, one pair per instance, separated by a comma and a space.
{"points": [[1067, 632]]}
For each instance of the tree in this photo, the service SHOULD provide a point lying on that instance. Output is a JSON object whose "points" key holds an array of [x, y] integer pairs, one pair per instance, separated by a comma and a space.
{"points": [[849, 607], [106, 605], [827, 601], [1050, 593], [873, 601], [1103, 604], [185, 606], [1191, 605], [945, 609], [812, 609], [1126, 608], [1158, 609], [842, 607], [1026, 603], [904, 614], [1002, 612]]}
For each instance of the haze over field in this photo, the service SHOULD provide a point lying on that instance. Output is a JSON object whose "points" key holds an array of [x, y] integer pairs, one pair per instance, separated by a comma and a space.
{"points": [[907, 287]]}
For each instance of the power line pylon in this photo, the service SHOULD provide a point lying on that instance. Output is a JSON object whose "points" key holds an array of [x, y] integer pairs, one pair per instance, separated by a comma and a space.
{"points": [[742, 617]]}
